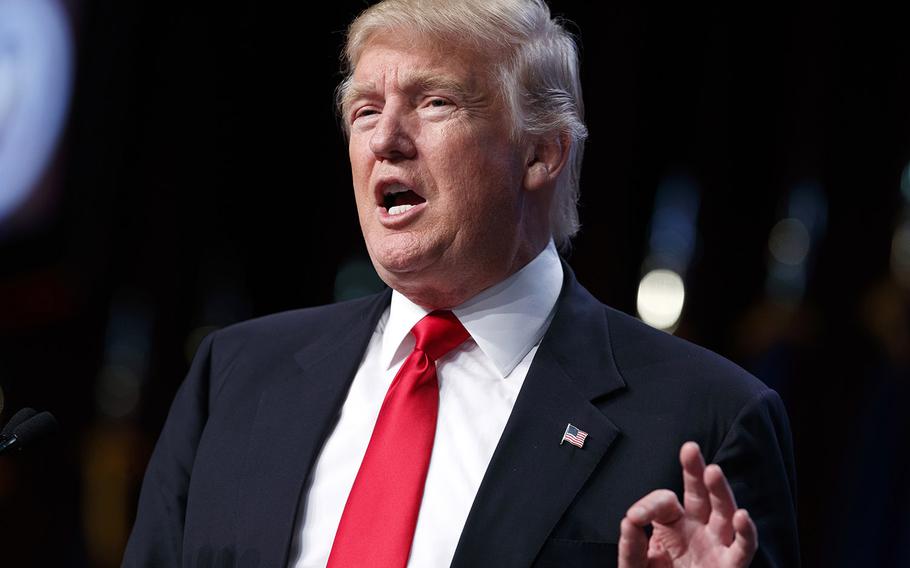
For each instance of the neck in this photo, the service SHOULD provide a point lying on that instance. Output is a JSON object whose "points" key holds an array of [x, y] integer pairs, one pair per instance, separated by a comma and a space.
{"points": [[446, 292]]}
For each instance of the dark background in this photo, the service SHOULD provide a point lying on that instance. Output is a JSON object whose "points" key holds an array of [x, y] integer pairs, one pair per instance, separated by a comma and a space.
{"points": [[202, 180]]}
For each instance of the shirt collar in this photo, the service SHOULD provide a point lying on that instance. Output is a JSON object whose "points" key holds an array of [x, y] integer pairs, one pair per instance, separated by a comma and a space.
{"points": [[506, 320]]}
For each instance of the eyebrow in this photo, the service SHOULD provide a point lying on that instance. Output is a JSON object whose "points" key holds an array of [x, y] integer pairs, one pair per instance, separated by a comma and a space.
{"points": [[419, 81]]}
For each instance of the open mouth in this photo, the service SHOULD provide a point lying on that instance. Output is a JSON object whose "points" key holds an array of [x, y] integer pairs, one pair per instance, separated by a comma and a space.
{"points": [[398, 199]]}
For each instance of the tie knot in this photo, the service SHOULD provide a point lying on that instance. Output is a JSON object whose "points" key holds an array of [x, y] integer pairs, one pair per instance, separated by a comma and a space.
{"points": [[438, 333]]}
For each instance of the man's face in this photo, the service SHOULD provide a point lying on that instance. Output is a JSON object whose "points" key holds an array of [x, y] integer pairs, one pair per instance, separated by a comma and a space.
{"points": [[437, 178]]}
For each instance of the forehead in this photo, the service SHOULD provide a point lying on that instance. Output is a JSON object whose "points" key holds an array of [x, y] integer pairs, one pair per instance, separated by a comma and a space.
{"points": [[397, 62]]}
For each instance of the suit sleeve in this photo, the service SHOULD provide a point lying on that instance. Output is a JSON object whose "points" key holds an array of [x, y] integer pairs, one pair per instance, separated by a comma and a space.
{"points": [[157, 536], [757, 458]]}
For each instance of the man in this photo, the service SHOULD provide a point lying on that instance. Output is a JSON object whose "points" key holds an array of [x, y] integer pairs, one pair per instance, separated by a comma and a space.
{"points": [[485, 411]]}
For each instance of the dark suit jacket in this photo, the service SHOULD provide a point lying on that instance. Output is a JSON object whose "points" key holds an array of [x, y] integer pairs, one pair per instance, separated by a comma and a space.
{"points": [[247, 425]]}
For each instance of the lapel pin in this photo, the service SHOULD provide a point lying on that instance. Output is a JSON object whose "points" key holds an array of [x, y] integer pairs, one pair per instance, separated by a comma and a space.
{"points": [[574, 436]]}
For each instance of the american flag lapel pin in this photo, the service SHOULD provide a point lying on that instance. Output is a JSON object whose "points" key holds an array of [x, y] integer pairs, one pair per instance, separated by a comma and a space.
{"points": [[574, 436]]}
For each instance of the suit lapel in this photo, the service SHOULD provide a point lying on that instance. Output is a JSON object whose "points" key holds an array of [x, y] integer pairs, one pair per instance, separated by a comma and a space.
{"points": [[293, 418], [532, 479]]}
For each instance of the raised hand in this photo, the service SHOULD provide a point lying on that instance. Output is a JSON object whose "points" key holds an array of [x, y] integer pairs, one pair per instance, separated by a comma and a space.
{"points": [[708, 531]]}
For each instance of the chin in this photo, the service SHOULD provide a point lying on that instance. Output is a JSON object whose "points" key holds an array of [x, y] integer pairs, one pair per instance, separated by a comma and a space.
{"points": [[400, 253], [397, 262], [409, 275]]}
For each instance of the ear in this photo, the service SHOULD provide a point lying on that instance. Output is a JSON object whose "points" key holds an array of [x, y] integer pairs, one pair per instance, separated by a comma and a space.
{"points": [[548, 157]]}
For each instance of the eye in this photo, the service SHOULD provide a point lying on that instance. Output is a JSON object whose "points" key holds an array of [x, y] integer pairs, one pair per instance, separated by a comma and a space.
{"points": [[437, 102], [364, 112]]}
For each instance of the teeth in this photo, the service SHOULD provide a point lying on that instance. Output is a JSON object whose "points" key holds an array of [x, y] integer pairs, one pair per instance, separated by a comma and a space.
{"points": [[399, 209], [396, 188]]}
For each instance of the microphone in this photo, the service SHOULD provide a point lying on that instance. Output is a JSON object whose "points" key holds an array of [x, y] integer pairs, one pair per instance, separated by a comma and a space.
{"points": [[28, 430], [17, 419]]}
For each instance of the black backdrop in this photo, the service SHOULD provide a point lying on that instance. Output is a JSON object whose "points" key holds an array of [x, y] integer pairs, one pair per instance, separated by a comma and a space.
{"points": [[203, 180]]}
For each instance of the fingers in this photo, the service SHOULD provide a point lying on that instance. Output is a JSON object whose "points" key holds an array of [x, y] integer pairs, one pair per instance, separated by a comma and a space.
{"points": [[746, 543], [695, 496], [660, 505], [723, 504], [708, 501], [633, 545]]}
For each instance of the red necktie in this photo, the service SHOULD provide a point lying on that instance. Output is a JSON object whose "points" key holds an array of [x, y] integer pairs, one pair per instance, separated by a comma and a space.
{"points": [[379, 518]]}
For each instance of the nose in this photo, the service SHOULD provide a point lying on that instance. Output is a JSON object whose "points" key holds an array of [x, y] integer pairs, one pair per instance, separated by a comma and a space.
{"points": [[392, 139]]}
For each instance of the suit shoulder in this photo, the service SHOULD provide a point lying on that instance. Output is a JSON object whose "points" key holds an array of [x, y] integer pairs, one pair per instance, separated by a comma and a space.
{"points": [[643, 353]]}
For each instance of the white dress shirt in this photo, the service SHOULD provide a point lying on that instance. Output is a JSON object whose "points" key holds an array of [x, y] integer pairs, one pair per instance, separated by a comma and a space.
{"points": [[478, 384]]}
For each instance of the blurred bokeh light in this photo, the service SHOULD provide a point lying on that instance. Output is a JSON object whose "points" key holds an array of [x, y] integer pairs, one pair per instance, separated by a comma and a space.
{"points": [[661, 295], [35, 78]]}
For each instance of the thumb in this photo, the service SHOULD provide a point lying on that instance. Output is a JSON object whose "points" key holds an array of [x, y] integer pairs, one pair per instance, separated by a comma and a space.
{"points": [[633, 545]]}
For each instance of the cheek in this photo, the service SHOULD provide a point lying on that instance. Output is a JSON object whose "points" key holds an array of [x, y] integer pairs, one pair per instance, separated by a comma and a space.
{"points": [[360, 178], [490, 178]]}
